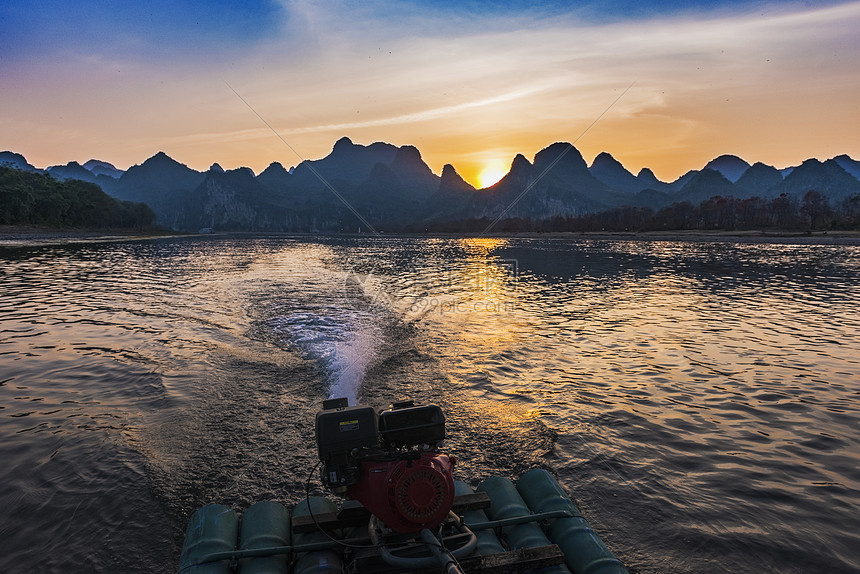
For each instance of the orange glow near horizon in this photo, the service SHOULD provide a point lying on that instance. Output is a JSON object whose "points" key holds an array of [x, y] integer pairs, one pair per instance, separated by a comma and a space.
{"points": [[706, 84], [492, 173]]}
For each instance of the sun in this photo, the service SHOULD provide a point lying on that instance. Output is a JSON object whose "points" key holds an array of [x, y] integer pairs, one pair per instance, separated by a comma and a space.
{"points": [[491, 174]]}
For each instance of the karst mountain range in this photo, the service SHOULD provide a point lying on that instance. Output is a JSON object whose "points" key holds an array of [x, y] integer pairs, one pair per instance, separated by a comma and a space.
{"points": [[392, 188]]}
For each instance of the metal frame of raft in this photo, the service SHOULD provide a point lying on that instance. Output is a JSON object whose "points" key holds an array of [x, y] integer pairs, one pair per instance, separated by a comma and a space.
{"points": [[500, 528]]}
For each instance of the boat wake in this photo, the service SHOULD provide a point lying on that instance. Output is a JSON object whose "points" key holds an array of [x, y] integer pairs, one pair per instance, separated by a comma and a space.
{"points": [[344, 342]]}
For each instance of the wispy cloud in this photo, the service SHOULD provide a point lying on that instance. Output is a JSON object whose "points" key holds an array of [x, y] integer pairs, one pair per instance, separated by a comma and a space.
{"points": [[772, 81], [554, 75]]}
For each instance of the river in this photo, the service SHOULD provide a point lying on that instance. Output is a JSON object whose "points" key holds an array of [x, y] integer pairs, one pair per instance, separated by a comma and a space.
{"points": [[699, 400]]}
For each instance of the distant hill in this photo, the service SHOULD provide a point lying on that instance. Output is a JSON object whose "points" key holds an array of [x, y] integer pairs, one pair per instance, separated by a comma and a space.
{"points": [[31, 198], [730, 166], [609, 170], [165, 185], [15, 160], [850, 165], [759, 179], [558, 183], [704, 185], [393, 188], [451, 199], [103, 168], [828, 178]]}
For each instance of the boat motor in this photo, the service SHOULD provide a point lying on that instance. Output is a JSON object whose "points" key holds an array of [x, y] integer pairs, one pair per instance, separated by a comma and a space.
{"points": [[389, 461]]}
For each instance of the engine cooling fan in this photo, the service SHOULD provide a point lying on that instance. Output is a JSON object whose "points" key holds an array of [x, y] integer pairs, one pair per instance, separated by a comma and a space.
{"points": [[407, 495], [420, 494]]}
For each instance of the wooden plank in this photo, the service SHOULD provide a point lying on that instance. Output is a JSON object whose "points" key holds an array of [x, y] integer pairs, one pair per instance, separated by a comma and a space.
{"points": [[475, 501], [359, 516], [511, 562], [331, 521], [515, 560]]}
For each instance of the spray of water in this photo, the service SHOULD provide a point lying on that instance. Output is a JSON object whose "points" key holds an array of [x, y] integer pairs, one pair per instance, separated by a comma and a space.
{"points": [[350, 360], [343, 341]]}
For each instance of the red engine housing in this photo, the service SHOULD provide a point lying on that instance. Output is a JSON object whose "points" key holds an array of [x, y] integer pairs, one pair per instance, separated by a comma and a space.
{"points": [[407, 495]]}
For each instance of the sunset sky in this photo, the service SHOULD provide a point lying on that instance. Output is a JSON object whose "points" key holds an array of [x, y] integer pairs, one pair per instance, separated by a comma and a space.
{"points": [[469, 83]]}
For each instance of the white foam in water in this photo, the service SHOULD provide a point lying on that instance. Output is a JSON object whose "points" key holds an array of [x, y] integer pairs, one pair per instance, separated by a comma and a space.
{"points": [[342, 340], [349, 363]]}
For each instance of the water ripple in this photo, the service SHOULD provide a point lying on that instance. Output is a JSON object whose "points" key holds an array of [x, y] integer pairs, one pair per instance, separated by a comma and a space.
{"points": [[699, 400]]}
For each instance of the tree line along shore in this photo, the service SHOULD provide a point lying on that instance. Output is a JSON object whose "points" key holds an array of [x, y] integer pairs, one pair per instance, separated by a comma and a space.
{"points": [[38, 200]]}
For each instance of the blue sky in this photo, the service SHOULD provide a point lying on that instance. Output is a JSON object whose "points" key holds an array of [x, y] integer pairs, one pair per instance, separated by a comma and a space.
{"points": [[160, 27], [469, 83]]}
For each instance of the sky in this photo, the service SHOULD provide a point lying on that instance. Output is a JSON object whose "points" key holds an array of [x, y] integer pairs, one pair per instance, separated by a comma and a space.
{"points": [[666, 84]]}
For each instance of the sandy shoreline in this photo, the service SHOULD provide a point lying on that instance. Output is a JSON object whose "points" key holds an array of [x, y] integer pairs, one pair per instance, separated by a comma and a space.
{"points": [[12, 236]]}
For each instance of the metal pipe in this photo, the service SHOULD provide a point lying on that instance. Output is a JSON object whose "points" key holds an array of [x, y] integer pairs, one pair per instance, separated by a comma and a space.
{"points": [[420, 561], [513, 521], [445, 559]]}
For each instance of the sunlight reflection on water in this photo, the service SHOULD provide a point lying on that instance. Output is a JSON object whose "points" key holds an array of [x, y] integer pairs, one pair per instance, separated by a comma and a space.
{"points": [[700, 400], [717, 381]]}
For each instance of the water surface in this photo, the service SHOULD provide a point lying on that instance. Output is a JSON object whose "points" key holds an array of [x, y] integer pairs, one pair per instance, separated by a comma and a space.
{"points": [[699, 400]]}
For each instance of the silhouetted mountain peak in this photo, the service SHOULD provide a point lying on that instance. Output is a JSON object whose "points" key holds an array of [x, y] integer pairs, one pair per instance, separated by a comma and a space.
{"points": [[811, 163], [563, 155], [99, 167], [683, 180], [93, 163], [609, 170], [731, 166], [216, 167], [408, 160], [647, 177], [342, 144], [275, 177], [275, 168], [452, 196], [409, 157], [705, 184], [407, 153], [826, 177], [758, 180], [605, 161], [162, 161], [520, 163], [605, 158], [708, 175], [15, 160], [72, 170], [850, 165], [348, 163], [452, 180], [156, 181], [419, 179], [242, 172]]}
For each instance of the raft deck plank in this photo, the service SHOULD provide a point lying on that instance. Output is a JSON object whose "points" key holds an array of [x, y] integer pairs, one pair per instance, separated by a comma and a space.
{"points": [[359, 516], [510, 562]]}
